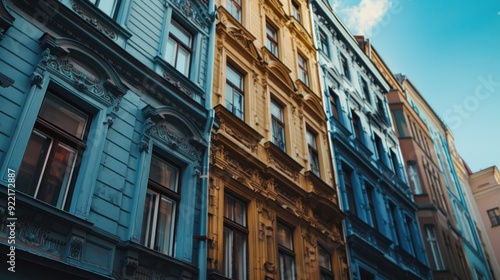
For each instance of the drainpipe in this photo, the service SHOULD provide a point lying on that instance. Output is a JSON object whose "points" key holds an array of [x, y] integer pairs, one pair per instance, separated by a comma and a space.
{"points": [[202, 255]]}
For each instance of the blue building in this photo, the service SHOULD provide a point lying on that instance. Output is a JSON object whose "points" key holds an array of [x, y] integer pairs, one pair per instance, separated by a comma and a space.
{"points": [[381, 227], [105, 118]]}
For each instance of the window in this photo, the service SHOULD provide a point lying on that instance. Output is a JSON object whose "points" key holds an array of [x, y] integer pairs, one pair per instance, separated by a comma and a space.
{"points": [[370, 193], [411, 238], [395, 222], [325, 264], [365, 89], [334, 105], [278, 125], [414, 178], [286, 254], [179, 48], [272, 39], [365, 275], [313, 152], [323, 43], [381, 108], [162, 198], [296, 11], [49, 167], [430, 235], [235, 239], [356, 125], [395, 164], [303, 74], [349, 189], [345, 66], [109, 7], [234, 92], [234, 8], [494, 215], [380, 149]]}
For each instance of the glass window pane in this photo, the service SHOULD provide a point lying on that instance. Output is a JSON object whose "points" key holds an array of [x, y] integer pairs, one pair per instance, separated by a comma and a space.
{"points": [[33, 163], [183, 61], [148, 218], [107, 6], [164, 236], [285, 237], [63, 115], [181, 34], [228, 256], [59, 176], [240, 245], [171, 51], [163, 173]]}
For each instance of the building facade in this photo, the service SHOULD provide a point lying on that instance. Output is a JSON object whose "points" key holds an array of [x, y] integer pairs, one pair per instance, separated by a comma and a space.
{"points": [[453, 189], [105, 121], [485, 187], [381, 226], [273, 206], [445, 249]]}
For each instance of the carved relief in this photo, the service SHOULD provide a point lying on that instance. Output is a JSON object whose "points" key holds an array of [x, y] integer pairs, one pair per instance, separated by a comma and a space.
{"points": [[284, 168], [94, 22], [75, 247], [171, 135]]}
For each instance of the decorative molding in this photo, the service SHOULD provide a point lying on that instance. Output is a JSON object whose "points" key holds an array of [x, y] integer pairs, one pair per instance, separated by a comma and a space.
{"points": [[94, 22], [194, 11], [75, 247]]}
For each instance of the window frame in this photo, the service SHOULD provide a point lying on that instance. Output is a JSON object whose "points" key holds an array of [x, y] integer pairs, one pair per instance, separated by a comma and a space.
{"points": [[114, 11], [357, 126], [176, 26], [272, 39], [236, 90], [163, 191], [495, 218], [286, 253], [431, 238], [345, 66], [296, 10], [312, 148], [278, 126], [235, 5], [371, 196], [57, 137], [303, 69], [414, 177], [323, 43], [326, 273], [234, 227], [349, 189], [335, 105]]}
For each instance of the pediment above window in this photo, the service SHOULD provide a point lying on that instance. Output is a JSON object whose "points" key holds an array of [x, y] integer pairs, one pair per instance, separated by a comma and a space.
{"points": [[277, 69], [196, 11], [170, 127], [81, 67]]}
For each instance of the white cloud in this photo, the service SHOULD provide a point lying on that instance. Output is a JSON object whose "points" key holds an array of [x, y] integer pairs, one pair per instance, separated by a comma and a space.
{"points": [[363, 17]]}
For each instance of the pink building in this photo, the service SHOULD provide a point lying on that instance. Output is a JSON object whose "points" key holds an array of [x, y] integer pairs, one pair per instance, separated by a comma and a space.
{"points": [[485, 186]]}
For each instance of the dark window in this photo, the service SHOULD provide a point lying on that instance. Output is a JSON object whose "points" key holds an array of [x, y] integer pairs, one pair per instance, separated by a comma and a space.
{"points": [[494, 215], [345, 66], [296, 11], [323, 43], [356, 125], [286, 253], [380, 149], [335, 105], [325, 264], [365, 89], [234, 8], [365, 275], [235, 239], [313, 152], [272, 39], [395, 222], [370, 192], [50, 164], [234, 92], [160, 207], [278, 125], [179, 48], [349, 189]]}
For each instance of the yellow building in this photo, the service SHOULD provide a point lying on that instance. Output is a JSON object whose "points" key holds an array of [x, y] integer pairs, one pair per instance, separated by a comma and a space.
{"points": [[273, 206]]}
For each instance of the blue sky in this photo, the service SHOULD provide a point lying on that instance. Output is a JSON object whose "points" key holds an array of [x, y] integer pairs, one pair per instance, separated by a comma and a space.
{"points": [[450, 50]]}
